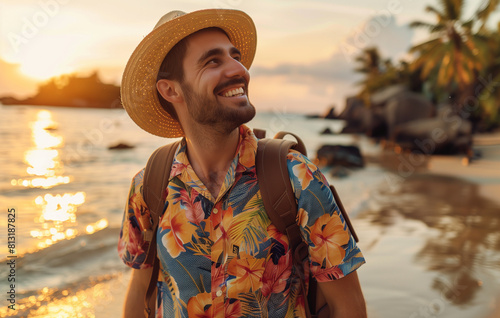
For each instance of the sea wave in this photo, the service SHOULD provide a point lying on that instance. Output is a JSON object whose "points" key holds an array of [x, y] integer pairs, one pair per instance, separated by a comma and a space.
{"points": [[67, 262]]}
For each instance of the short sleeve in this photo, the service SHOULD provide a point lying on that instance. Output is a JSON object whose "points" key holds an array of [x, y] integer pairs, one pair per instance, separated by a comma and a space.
{"points": [[333, 252], [132, 246]]}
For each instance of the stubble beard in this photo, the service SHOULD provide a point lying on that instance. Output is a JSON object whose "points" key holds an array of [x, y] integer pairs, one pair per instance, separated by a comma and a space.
{"points": [[208, 112]]}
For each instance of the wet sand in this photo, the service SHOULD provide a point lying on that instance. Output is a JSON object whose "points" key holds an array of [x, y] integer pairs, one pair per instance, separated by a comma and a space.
{"points": [[432, 238]]}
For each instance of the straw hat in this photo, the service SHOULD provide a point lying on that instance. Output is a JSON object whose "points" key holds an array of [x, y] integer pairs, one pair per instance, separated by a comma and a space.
{"points": [[138, 88]]}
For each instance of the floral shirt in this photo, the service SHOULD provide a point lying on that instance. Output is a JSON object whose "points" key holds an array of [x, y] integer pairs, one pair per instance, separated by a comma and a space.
{"points": [[222, 257]]}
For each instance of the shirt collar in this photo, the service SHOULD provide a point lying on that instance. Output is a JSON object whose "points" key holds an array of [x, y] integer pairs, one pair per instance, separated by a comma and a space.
{"points": [[244, 159]]}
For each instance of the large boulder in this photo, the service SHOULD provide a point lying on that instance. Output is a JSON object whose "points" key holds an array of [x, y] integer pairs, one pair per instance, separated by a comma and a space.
{"points": [[356, 115], [382, 96], [405, 107], [448, 135], [340, 155]]}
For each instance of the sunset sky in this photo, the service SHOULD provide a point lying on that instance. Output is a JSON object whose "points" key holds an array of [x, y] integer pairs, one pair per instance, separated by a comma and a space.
{"points": [[305, 49]]}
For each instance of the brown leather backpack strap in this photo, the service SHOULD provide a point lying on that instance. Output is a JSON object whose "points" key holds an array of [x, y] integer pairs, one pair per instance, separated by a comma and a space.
{"points": [[153, 281], [344, 213], [156, 176], [259, 133], [279, 199], [275, 187], [299, 145]]}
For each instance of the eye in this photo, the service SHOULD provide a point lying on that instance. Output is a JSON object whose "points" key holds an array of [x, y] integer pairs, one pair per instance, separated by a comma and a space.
{"points": [[237, 58], [214, 61]]}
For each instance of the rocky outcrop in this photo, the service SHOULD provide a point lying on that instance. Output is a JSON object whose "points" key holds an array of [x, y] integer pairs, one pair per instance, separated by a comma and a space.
{"points": [[340, 155], [357, 116], [445, 134], [326, 131], [120, 146], [406, 107]]}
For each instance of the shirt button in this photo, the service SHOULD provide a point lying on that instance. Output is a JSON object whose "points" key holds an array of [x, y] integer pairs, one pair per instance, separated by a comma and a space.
{"points": [[215, 210], [219, 293]]}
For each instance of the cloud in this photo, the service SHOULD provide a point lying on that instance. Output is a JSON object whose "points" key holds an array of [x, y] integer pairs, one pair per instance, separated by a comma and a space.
{"points": [[392, 40]]}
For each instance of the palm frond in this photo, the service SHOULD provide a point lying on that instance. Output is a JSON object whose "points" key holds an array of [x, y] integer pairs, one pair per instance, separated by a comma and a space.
{"points": [[443, 77], [441, 16], [453, 8], [426, 46], [422, 24], [484, 13]]}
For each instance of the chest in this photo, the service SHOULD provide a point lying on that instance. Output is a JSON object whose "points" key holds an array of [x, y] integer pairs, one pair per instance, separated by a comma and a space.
{"points": [[195, 230]]}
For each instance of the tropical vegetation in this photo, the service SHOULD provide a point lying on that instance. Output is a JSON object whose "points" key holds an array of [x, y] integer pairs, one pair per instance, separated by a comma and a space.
{"points": [[459, 64]]}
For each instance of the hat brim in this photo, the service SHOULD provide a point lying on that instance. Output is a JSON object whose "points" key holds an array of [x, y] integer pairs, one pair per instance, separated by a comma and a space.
{"points": [[138, 88]]}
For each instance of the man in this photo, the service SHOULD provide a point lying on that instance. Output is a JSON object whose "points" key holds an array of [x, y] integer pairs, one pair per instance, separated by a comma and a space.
{"points": [[220, 255]]}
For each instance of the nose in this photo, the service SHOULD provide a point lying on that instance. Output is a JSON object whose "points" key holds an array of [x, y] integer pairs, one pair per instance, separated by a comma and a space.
{"points": [[235, 69]]}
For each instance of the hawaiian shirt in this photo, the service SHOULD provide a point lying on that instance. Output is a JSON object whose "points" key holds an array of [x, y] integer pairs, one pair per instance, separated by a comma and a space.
{"points": [[222, 257]]}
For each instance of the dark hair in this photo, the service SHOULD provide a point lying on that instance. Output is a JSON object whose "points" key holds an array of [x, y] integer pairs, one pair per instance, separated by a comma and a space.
{"points": [[171, 68]]}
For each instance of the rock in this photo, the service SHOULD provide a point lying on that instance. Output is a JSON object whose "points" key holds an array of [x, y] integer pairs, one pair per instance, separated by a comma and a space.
{"points": [[326, 131], [330, 113], [435, 135], [339, 172], [357, 116], [340, 155], [382, 96], [405, 107], [120, 146]]}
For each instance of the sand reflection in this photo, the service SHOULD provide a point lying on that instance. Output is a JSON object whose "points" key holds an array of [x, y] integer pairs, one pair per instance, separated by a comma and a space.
{"points": [[462, 242]]}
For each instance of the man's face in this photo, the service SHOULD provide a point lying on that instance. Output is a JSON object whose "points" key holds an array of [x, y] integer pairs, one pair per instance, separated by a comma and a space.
{"points": [[215, 83]]}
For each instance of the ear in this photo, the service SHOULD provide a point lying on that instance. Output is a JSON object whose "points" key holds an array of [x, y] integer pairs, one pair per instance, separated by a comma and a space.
{"points": [[170, 90]]}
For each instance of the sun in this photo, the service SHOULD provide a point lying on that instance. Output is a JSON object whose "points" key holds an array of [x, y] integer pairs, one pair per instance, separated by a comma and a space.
{"points": [[46, 59], [44, 66], [42, 71]]}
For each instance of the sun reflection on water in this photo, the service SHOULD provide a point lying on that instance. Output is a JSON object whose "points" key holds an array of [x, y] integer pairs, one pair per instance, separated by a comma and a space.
{"points": [[57, 218], [61, 210], [69, 303], [43, 160]]}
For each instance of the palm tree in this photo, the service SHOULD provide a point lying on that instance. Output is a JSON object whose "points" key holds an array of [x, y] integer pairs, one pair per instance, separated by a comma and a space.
{"points": [[378, 73], [453, 58], [370, 61]]}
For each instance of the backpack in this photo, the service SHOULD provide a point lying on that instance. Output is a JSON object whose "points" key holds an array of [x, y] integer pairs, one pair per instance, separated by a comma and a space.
{"points": [[277, 196]]}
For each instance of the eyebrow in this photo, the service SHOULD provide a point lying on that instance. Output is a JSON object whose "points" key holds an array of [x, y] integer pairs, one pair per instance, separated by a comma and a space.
{"points": [[215, 52]]}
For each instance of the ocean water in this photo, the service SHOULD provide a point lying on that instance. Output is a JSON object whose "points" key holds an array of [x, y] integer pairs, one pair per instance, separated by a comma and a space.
{"points": [[68, 191]]}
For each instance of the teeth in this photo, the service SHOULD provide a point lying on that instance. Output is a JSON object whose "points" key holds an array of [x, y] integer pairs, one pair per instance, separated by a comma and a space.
{"points": [[233, 92]]}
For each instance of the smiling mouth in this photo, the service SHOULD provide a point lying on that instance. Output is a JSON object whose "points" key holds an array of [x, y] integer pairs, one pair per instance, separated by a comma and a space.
{"points": [[234, 92]]}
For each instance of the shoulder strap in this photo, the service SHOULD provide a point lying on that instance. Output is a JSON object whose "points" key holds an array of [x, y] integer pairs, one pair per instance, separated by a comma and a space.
{"points": [[279, 201], [275, 187], [276, 190], [281, 207], [154, 186]]}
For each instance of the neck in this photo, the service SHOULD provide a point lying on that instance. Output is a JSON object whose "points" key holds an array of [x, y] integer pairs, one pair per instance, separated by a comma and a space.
{"points": [[210, 154]]}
